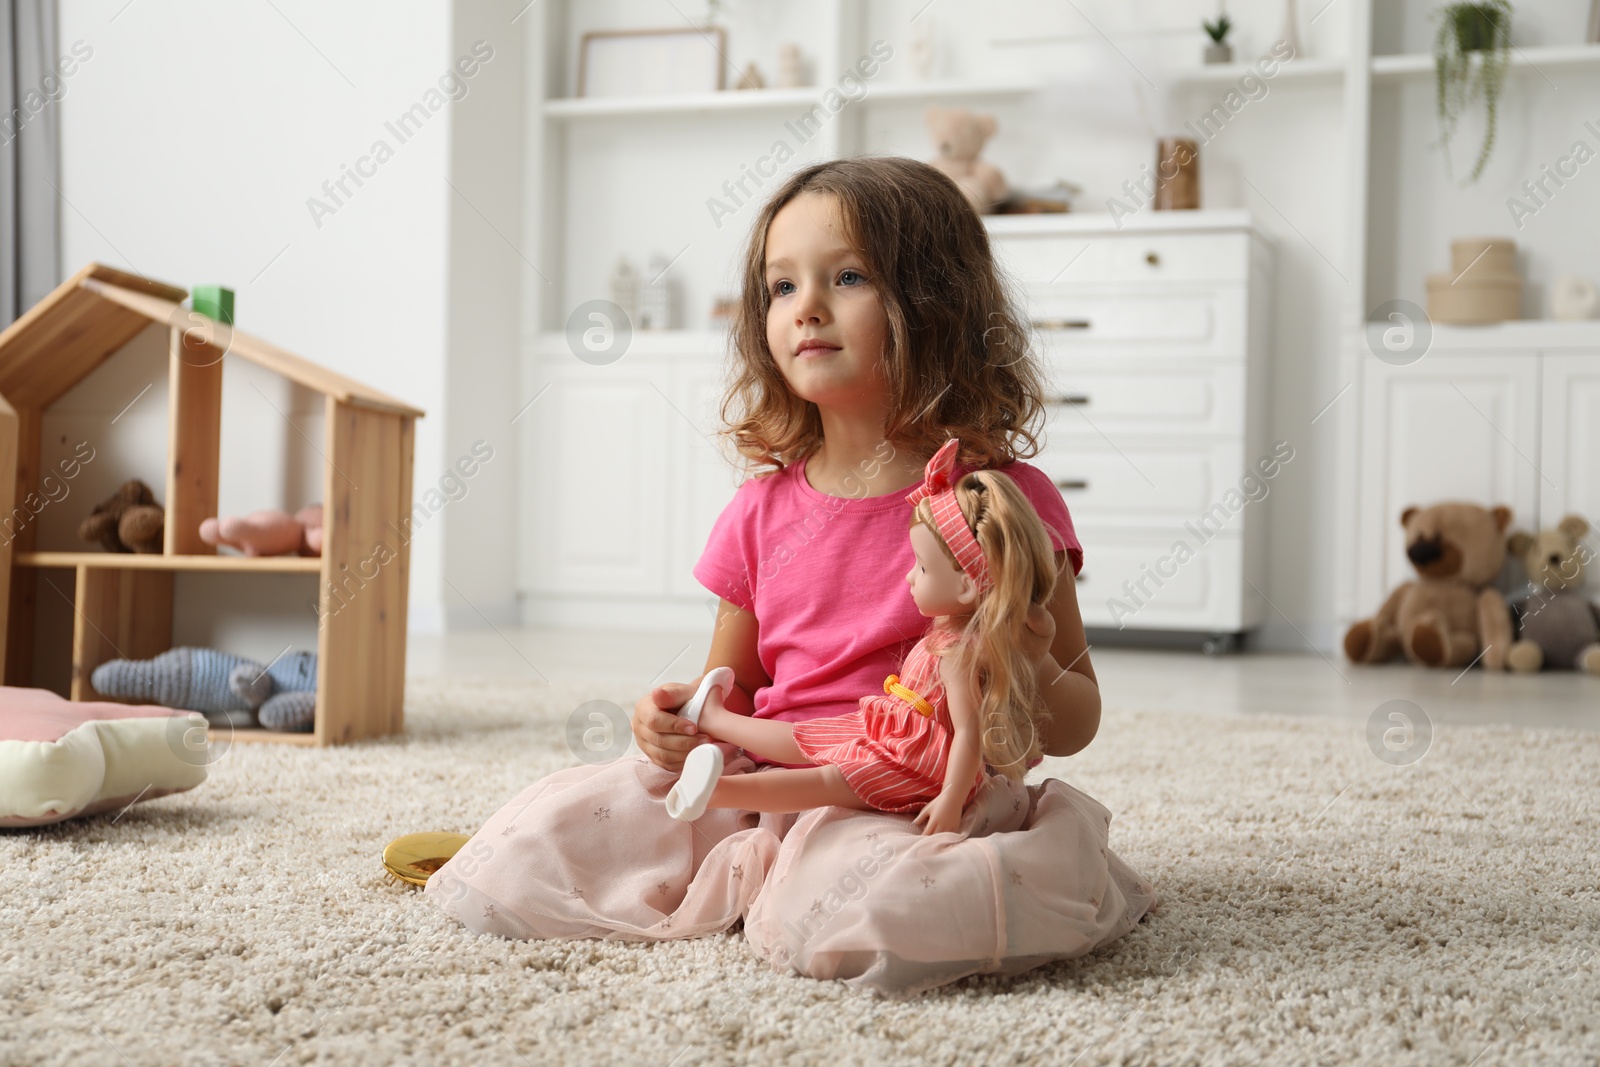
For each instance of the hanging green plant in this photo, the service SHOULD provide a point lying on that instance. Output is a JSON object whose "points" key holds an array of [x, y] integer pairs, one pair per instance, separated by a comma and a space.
{"points": [[1470, 56]]}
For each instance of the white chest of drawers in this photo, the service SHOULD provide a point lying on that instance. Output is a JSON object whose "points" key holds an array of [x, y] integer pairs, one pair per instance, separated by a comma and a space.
{"points": [[1153, 337]]}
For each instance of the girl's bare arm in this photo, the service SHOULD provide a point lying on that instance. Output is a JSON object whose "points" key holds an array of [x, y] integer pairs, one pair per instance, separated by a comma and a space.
{"points": [[1066, 677]]}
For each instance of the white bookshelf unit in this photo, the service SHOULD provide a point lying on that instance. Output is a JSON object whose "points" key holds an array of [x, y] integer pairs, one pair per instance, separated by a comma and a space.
{"points": [[1329, 159], [1491, 414]]}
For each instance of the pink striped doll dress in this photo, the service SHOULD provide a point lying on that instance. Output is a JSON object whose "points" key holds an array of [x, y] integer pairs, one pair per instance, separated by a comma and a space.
{"points": [[894, 749]]}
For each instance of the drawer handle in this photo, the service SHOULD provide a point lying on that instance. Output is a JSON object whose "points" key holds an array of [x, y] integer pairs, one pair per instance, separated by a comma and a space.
{"points": [[1072, 483], [1153, 259], [1080, 399], [1061, 324]]}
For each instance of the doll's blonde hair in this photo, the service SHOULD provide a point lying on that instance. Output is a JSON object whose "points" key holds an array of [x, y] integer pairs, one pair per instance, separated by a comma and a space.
{"points": [[1022, 566]]}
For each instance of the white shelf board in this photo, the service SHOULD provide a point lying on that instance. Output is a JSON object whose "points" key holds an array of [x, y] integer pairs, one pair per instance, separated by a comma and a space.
{"points": [[1330, 70], [773, 99], [755, 100], [946, 89], [1087, 222], [681, 103], [1527, 60], [1542, 334]]}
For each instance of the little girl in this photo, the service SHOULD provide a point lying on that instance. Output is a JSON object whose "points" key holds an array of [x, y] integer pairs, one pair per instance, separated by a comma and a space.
{"points": [[872, 327], [916, 747]]}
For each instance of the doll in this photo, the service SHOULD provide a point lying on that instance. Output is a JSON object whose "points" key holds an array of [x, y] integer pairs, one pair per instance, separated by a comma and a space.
{"points": [[968, 692]]}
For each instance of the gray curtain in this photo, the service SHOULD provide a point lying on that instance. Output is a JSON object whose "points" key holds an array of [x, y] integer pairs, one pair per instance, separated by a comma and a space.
{"points": [[31, 88]]}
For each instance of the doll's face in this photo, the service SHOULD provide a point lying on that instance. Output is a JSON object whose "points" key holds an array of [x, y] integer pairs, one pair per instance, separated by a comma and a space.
{"points": [[937, 585], [819, 290]]}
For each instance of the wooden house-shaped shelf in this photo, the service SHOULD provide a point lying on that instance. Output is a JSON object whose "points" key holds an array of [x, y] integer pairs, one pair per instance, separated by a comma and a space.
{"points": [[123, 603]]}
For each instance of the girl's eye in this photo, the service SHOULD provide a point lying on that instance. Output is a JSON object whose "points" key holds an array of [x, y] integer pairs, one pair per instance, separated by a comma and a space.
{"points": [[778, 290], [845, 276]]}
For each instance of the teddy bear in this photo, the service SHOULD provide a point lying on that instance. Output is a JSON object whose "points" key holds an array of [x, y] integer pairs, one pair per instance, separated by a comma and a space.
{"points": [[960, 135], [1557, 625], [1451, 613], [269, 533], [129, 521]]}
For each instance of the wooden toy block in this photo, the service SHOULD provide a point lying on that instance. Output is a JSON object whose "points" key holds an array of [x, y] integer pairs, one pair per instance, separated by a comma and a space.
{"points": [[213, 301]]}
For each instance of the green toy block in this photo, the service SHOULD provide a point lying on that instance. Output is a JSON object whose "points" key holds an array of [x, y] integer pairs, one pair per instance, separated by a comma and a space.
{"points": [[214, 302]]}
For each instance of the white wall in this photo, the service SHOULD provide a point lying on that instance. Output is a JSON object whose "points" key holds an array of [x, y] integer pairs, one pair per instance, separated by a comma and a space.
{"points": [[483, 316], [195, 138]]}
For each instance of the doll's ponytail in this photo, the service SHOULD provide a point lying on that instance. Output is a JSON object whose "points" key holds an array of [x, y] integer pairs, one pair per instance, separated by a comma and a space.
{"points": [[1022, 567]]}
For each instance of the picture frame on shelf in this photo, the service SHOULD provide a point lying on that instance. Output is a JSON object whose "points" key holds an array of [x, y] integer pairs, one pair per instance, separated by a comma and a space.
{"points": [[664, 62]]}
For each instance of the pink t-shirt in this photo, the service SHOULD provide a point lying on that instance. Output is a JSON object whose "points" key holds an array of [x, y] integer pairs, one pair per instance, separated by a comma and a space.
{"points": [[825, 577]]}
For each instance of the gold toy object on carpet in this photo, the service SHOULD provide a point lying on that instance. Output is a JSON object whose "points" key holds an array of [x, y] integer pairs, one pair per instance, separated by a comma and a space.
{"points": [[414, 857]]}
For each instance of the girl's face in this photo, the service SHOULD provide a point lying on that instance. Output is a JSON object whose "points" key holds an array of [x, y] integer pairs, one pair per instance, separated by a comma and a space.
{"points": [[937, 585], [819, 291]]}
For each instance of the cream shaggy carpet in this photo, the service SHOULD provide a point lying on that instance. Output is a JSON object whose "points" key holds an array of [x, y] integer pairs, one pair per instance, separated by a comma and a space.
{"points": [[1321, 906]]}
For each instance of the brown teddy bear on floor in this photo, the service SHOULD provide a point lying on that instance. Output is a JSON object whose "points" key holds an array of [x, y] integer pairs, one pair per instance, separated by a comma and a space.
{"points": [[1557, 626], [1452, 612], [131, 521]]}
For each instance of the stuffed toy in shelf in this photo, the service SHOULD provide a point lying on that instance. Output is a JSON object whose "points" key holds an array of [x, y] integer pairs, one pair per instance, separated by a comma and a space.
{"points": [[228, 690], [1452, 612], [960, 135], [130, 521], [269, 533], [1557, 625]]}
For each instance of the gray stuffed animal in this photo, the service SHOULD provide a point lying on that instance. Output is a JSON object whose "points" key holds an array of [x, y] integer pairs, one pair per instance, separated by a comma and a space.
{"points": [[1557, 626], [227, 689]]}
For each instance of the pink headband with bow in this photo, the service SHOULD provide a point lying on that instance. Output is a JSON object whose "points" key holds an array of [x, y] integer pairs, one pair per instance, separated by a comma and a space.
{"points": [[947, 514]]}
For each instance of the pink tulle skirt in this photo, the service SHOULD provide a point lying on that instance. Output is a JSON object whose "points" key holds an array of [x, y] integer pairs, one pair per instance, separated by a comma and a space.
{"points": [[860, 896]]}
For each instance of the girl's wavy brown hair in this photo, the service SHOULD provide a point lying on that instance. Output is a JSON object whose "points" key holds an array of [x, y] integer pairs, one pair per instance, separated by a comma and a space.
{"points": [[1022, 565], [957, 359]]}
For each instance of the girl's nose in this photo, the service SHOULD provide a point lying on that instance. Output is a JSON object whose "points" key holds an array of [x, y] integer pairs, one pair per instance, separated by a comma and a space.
{"points": [[808, 306]]}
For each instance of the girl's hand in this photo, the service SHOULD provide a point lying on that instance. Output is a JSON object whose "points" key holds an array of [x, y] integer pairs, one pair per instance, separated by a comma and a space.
{"points": [[662, 736], [941, 815]]}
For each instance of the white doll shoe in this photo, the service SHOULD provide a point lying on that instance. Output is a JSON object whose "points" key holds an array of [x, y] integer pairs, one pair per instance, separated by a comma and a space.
{"points": [[721, 677], [687, 800]]}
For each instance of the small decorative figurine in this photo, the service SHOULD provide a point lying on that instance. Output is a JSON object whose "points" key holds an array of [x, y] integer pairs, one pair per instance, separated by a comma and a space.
{"points": [[982, 557], [625, 289], [791, 70], [751, 78], [655, 297]]}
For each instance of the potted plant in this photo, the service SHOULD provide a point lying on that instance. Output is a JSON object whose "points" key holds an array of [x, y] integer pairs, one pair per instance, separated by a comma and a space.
{"points": [[1219, 50], [1470, 55]]}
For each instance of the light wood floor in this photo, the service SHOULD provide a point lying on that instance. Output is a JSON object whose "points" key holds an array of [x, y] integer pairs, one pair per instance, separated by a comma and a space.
{"points": [[1248, 683]]}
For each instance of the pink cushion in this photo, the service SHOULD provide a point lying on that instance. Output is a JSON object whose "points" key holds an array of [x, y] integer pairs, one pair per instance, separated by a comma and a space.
{"points": [[40, 715], [60, 758]]}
